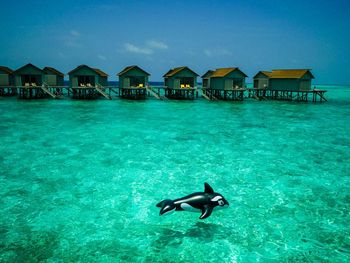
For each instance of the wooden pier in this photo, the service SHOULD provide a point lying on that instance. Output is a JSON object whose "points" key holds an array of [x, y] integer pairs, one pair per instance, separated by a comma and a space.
{"points": [[181, 93], [219, 94], [160, 93], [32, 92], [85, 93], [134, 93], [8, 91]]}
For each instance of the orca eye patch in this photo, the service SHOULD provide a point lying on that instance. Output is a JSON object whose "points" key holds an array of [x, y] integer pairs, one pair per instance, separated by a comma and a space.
{"points": [[216, 198]]}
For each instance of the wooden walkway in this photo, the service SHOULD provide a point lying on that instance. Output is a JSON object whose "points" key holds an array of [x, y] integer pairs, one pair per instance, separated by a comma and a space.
{"points": [[207, 95], [99, 89], [43, 87], [160, 93], [149, 89]]}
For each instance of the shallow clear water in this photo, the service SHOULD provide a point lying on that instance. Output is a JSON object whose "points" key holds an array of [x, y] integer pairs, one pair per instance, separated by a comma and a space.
{"points": [[80, 179]]}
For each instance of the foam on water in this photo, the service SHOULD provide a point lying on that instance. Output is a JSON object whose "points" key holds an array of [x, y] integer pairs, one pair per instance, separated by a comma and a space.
{"points": [[80, 179]]}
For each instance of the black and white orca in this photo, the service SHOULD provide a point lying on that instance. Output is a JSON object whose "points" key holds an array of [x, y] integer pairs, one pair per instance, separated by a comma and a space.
{"points": [[203, 202]]}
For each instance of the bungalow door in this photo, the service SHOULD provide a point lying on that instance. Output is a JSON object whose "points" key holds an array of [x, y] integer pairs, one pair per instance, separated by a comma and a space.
{"points": [[51, 80], [305, 85], [228, 84], [4, 80], [126, 83], [176, 83]]}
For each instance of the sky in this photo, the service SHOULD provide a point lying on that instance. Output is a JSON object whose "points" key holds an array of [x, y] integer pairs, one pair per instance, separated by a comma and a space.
{"points": [[159, 35]]}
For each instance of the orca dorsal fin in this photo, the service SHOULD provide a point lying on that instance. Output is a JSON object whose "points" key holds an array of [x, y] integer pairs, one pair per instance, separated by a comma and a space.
{"points": [[208, 189]]}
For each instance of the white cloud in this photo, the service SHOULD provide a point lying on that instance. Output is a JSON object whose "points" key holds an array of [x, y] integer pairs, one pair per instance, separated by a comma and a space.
{"points": [[62, 55], [102, 57], [207, 52], [157, 44], [72, 43], [217, 52], [138, 50], [190, 52], [72, 39], [150, 47], [75, 33]]}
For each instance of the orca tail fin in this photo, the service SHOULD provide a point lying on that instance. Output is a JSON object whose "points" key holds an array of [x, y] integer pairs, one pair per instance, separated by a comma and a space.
{"points": [[166, 206]]}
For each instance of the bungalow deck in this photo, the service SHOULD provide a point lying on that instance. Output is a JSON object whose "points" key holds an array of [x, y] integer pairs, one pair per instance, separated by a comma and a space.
{"points": [[38, 92], [315, 95]]}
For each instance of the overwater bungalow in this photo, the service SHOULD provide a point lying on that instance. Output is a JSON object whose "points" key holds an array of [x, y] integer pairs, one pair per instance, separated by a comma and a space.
{"points": [[54, 80], [180, 83], [206, 79], [30, 81], [224, 83], [53, 77], [284, 79], [261, 80], [7, 82], [28, 76], [133, 82], [87, 82], [286, 84]]}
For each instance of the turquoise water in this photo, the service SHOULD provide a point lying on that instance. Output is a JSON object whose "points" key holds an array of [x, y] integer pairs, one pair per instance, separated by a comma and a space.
{"points": [[80, 179]]}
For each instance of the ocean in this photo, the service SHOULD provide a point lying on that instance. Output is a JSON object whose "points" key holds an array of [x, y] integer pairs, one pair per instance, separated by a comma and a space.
{"points": [[80, 180]]}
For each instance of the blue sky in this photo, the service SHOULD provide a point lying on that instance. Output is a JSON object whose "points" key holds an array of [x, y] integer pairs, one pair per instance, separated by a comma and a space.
{"points": [[158, 35]]}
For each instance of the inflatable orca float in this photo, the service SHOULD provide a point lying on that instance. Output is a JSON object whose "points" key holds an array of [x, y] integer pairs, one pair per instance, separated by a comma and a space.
{"points": [[203, 202]]}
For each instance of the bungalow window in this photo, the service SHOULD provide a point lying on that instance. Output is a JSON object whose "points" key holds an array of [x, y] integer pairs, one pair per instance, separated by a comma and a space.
{"points": [[186, 82], [86, 81], [236, 83], [136, 81], [30, 80]]}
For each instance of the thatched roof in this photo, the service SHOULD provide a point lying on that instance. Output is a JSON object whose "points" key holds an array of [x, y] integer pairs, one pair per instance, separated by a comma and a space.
{"points": [[96, 70], [223, 72], [125, 70], [285, 73], [207, 74], [100, 72], [6, 69], [27, 65], [266, 73], [174, 71], [289, 73], [53, 70]]}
